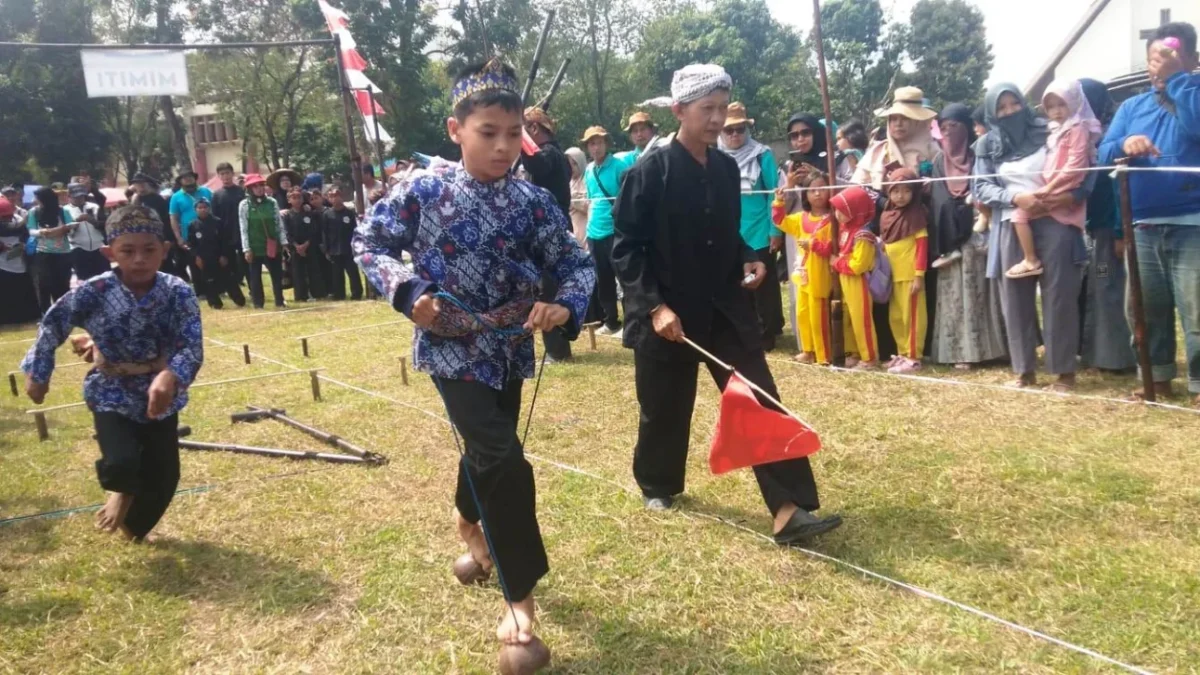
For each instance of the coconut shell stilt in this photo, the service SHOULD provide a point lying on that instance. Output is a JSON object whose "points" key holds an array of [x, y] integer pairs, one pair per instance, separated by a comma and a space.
{"points": [[468, 571], [524, 659]]}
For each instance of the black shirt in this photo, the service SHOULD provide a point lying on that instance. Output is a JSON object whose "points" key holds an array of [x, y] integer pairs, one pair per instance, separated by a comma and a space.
{"points": [[225, 204], [550, 169], [302, 226], [208, 240], [678, 242], [157, 203], [338, 230]]}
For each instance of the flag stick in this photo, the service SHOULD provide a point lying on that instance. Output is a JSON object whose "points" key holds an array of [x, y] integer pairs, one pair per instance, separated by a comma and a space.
{"points": [[837, 339], [774, 401], [351, 143], [1136, 301]]}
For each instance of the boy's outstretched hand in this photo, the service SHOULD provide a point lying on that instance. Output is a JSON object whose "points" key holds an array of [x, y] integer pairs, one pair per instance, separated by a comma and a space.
{"points": [[35, 390], [546, 316], [162, 392]]}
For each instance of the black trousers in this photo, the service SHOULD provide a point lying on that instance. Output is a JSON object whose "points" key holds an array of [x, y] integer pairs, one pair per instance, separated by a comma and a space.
{"points": [[306, 276], [604, 295], [51, 278], [768, 301], [220, 279], [275, 269], [557, 344], [666, 392], [344, 266], [502, 477], [88, 264], [139, 459]]}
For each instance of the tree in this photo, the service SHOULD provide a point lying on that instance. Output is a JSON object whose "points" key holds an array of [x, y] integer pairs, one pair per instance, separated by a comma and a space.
{"points": [[949, 47], [864, 53], [740, 35], [168, 29]]}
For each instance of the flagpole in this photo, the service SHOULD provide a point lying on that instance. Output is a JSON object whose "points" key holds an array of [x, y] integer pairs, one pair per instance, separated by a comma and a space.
{"points": [[375, 119], [750, 384], [837, 338], [351, 144]]}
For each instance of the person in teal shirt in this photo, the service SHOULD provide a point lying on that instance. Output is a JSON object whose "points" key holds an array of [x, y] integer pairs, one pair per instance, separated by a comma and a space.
{"points": [[603, 180], [760, 177]]}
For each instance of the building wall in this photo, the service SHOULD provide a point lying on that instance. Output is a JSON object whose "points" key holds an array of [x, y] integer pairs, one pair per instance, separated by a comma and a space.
{"points": [[1112, 46]]}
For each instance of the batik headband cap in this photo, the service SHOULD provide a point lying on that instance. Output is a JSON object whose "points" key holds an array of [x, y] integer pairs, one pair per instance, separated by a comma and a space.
{"points": [[490, 77], [133, 220]]}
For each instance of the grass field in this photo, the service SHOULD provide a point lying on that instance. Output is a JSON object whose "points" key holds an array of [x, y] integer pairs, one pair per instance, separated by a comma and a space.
{"points": [[1075, 517]]}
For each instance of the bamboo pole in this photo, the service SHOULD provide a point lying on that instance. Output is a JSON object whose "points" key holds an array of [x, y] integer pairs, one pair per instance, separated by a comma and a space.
{"points": [[12, 384], [555, 84], [1136, 301], [837, 341], [591, 329], [537, 57], [351, 143], [304, 346], [272, 452], [404, 370], [246, 353], [43, 432], [315, 380], [323, 436]]}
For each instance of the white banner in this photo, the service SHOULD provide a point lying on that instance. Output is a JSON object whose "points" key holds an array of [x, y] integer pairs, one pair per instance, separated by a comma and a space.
{"points": [[134, 72]]}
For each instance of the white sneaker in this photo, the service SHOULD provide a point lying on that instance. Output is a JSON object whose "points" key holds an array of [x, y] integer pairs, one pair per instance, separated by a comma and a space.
{"points": [[605, 330], [947, 259], [619, 334]]}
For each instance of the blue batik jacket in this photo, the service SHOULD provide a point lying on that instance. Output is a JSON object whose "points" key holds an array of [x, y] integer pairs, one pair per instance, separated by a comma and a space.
{"points": [[164, 323], [486, 244]]}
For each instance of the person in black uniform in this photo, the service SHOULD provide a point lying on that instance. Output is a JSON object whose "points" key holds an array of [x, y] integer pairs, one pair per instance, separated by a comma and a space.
{"points": [[215, 258], [680, 256], [549, 168], [225, 203], [303, 228], [338, 225]]}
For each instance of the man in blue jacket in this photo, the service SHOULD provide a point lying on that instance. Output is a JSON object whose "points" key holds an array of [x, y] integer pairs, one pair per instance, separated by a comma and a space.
{"points": [[1161, 128]]}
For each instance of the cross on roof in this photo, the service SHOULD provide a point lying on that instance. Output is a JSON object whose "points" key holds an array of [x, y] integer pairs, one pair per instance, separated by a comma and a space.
{"points": [[1164, 18]]}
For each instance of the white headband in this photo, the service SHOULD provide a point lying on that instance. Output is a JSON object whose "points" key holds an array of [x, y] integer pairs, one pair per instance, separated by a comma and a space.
{"points": [[694, 82]]}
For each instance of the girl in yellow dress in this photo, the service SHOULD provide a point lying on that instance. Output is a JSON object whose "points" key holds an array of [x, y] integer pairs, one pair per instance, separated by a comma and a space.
{"points": [[855, 257], [904, 228]]}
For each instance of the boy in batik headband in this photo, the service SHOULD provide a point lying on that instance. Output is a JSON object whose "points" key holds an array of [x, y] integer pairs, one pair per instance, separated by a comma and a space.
{"points": [[680, 255], [144, 340], [480, 241]]}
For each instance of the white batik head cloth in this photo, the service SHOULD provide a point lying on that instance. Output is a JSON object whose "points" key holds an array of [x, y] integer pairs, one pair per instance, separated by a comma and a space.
{"points": [[694, 82]]}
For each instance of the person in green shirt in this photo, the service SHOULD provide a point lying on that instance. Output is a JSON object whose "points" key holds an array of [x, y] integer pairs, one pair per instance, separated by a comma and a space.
{"points": [[263, 239], [760, 177], [603, 180]]}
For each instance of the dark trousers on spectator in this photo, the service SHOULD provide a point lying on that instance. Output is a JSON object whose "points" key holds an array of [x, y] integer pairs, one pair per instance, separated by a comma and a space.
{"points": [[501, 476], [88, 264], [666, 392], [768, 301], [556, 343], [344, 266], [51, 278], [605, 294], [219, 279], [139, 459], [275, 269], [306, 276]]}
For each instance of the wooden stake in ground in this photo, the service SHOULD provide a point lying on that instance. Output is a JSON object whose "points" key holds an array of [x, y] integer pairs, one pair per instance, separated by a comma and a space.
{"points": [[246, 353], [12, 384], [837, 339], [404, 370], [1136, 304]]}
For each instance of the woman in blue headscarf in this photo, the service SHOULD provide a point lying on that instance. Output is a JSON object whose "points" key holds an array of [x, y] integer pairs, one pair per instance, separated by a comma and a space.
{"points": [[1009, 161]]}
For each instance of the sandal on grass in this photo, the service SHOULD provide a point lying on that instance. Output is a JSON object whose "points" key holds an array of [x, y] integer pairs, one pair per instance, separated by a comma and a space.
{"points": [[1024, 270]]}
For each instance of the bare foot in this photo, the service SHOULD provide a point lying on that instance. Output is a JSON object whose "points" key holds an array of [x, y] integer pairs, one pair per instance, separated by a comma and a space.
{"points": [[472, 536], [517, 625], [111, 516]]}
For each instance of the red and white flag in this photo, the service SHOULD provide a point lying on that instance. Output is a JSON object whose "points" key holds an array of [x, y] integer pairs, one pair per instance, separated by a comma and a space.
{"points": [[750, 435], [364, 104]]}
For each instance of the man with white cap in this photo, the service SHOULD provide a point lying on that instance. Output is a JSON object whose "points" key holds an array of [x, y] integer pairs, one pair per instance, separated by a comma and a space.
{"points": [[686, 270]]}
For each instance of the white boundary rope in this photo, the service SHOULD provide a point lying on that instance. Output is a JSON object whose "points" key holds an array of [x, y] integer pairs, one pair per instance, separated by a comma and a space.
{"points": [[972, 177], [916, 590]]}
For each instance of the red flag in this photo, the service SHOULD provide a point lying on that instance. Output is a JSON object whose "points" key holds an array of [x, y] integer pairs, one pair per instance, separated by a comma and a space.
{"points": [[364, 103], [352, 60], [749, 435], [528, 147]]}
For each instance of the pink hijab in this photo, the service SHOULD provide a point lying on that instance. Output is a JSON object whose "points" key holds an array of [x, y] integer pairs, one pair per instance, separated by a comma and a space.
{"points": [[1081, 113]]}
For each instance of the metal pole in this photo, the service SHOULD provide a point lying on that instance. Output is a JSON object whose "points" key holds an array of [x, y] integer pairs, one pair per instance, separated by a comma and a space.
{"points": [[837, 341], [1136, 301], [351, 144], [378, 142]]}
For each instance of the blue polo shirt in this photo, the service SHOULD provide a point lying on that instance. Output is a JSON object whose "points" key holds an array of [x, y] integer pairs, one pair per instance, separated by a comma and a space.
{"points": [[603, 182], [184, 206]]}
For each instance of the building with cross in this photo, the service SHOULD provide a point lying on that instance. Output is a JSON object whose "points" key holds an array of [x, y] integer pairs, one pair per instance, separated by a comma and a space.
{"points": [[1109, 44]]}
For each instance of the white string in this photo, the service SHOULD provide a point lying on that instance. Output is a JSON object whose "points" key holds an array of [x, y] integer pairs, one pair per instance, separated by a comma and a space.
{"points": [[928, 595], [1114, 169]]}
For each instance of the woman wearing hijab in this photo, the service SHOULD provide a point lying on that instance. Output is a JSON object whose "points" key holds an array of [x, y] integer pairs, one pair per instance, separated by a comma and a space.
{"points": [[968, 326], [760, 176], [579, 199], [1008, 166], [1107, 343], [49, 224]]}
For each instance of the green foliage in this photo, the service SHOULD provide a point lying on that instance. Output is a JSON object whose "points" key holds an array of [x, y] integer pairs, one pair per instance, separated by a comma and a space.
{"points": [[949, 46]]}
